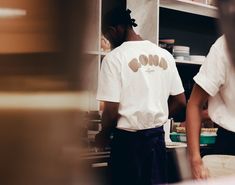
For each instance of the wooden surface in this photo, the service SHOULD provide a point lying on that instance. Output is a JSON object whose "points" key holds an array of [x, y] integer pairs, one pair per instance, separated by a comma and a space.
{"points": [[37, 31]]}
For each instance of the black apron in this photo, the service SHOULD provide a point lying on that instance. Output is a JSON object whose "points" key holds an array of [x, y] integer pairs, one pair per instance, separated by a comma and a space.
{"points": [[138, 158], [225, 142]]}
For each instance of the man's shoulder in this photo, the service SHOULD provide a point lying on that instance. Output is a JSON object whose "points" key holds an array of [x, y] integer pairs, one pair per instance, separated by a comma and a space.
{"points": [[161, 51], [114, 57], [166, 55], [115, 53]]}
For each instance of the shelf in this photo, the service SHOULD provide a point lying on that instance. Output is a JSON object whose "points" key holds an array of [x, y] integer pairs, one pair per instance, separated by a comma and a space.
{"points": [[45, 101], [92, 52], [190, 7], [188, 62], [102, 53]]}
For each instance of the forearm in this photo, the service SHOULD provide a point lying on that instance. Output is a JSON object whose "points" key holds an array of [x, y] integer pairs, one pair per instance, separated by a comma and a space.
{"points": [[175, 109], [205, 116], [193, 128], [176, 104], [109, 122]]}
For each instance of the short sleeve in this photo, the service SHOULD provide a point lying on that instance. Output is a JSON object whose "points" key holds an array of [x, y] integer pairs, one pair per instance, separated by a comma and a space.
{"points": [[212, 73], [109, 84], [176, 83]]}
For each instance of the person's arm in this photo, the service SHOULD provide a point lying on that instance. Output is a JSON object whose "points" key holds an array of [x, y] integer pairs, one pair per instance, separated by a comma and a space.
{"points": [[176, 100], [109, 92], [193, 128], [110, 117], [176, 104], [205, 116]]}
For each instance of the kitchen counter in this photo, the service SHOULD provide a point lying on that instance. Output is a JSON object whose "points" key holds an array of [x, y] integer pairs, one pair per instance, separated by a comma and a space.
{"points": [[98, 160]]}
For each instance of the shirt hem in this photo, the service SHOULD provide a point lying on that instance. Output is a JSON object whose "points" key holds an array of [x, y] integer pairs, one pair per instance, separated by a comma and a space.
{"points": [[179, 92], [107, 99], [206, 85]]}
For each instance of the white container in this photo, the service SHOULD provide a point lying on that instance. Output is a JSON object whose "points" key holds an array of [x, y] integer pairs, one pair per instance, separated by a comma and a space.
{"points": [[179, 58], [197, 58], [181, 49]]}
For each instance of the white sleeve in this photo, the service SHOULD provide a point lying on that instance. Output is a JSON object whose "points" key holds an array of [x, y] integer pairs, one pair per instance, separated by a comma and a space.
{"points": [[109, 85], [212, 73], [176, 83]]}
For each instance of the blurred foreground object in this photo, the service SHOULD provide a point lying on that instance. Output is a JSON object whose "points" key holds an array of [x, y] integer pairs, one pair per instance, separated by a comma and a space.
{"points": [[41, 83], [227, 15], [40, 147]]}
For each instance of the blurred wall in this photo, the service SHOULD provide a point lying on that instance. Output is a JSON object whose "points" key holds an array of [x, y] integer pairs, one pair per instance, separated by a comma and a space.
{"points": [[41, 50], [41, 53]]}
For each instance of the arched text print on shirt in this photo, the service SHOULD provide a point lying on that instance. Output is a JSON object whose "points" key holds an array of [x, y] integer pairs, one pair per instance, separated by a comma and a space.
{"points": [[134, 65], [151, 61]]}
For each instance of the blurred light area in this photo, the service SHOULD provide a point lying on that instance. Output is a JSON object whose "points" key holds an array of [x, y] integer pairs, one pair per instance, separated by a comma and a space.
{"points": [[45, 101], [12, 12]]}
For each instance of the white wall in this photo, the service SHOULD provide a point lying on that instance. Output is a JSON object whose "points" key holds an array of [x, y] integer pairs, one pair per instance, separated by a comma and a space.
{"points": [[145, 13]]}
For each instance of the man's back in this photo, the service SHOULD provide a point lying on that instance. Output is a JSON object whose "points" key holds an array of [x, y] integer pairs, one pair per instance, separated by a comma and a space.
{"points": [[140, 76]]}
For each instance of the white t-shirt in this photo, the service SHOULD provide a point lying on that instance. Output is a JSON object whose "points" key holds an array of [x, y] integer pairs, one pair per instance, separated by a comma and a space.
{"points": [[140, 76], [217, 78]]}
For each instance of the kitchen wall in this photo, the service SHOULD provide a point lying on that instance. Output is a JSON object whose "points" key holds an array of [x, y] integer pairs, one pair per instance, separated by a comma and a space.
{"points": [[142, 10]]}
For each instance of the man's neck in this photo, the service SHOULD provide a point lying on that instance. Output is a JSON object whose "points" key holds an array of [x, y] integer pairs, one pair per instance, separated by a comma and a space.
{"points": [[132, 36]]}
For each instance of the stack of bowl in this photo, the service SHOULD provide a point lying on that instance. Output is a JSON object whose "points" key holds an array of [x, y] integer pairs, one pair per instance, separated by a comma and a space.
{"points": [[167, 44], [181, 52]]}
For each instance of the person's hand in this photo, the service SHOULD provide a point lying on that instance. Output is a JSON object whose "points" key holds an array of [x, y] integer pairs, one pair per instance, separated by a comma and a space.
{"points": [[199, 171]]}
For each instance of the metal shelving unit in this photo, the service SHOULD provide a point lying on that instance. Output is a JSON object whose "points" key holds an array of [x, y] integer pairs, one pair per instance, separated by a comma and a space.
{"points": [[190, 7], [153, 7], [188, 62]]}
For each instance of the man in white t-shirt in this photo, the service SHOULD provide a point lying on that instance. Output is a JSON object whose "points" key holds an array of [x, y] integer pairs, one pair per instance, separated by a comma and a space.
{"points": [[215, 83], [136, 80]]}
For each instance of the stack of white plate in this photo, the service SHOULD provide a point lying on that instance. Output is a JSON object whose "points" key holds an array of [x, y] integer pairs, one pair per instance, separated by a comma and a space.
{"points": [[197, 59], [181, 52]]}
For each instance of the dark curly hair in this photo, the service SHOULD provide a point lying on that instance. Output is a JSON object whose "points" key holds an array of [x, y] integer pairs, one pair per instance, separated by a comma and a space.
{"points": [[118, 16]]}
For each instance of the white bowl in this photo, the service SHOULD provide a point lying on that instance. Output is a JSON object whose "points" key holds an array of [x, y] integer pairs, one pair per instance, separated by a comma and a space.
{"points": [[181, 48]]}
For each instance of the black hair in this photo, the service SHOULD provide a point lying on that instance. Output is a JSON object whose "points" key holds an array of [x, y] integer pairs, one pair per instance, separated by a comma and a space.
{"points": [[118, 16]]}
